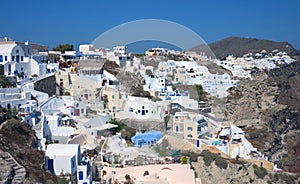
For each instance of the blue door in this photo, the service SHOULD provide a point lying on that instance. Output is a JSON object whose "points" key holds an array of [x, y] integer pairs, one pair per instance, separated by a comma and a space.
{"points": [[143, 112], [50, 165], [198, 143], [80, 175], [176, 128]]}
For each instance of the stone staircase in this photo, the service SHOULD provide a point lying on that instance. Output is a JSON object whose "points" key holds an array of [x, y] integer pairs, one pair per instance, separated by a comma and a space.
{"points": [[13, 171]]}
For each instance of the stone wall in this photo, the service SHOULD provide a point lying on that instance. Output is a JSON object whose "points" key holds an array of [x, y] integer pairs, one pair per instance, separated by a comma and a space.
{"points": [[46, 85]]}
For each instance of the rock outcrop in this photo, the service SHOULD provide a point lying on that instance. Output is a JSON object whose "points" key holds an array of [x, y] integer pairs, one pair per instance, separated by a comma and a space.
{"points": [[234, 173], [267, 107], [19, 140]]}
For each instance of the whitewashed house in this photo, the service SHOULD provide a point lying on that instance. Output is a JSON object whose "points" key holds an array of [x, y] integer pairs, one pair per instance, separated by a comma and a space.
{"points": [[84, 171], [63, 158], [73, 107], [27, 112], [21, 59], [142, 108], [13, 97], [54, 125]]}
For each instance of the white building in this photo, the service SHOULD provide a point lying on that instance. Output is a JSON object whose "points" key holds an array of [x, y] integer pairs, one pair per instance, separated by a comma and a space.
{"points": [[20, 59], [191, 73], [142, 108], [27, 112], [13, 97], [87, 48], [63, 158], [84, 171], [54, 125], [120, 50], [73, 107]]}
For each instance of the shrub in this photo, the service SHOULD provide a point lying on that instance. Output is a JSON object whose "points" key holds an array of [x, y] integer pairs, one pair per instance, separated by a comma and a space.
{"points": [[184, 160], [67, 93], [289, 178], [127, 177], [209, 157], [260, 172], [192, 155], [221, 162]]}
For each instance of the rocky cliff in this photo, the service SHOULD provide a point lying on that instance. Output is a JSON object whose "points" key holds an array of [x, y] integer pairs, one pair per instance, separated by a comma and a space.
{"points": [[236, 172], [19, 140], [267, 107]]}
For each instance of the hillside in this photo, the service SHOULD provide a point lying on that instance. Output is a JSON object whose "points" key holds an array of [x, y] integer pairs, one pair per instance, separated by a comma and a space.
{"points": [[211, 168], [19, 140], [268, 109], [239, 46]]}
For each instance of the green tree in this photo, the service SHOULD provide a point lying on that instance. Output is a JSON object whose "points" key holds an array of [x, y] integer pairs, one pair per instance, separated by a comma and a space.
{"points": [[184, 160], [127, 177], [4, 81], [64, 47], [200, 91]]}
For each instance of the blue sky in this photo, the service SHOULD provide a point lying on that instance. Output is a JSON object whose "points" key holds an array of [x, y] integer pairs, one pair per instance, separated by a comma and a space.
{"points": [[51, 22]]}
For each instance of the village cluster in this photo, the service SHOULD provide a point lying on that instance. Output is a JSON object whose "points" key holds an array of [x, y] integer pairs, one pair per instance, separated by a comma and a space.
{"points": [[77, 110]]}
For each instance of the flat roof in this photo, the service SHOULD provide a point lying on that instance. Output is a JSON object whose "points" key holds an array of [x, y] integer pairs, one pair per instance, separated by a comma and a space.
{"points": [[62, 149]]}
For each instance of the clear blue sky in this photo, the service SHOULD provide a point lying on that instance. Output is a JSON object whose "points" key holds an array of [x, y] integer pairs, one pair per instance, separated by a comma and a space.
{"points": [[51, 22]]}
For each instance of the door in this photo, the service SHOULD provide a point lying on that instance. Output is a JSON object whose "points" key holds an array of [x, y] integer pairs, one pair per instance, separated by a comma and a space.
{"points": [[80, 175], [50, 165], [143, 112], [176, 128], [198, 143]]}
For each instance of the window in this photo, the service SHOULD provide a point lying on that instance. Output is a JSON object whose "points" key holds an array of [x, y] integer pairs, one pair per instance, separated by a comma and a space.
{"points": [[22, 58], [1, 58], [139, 111], [80, 175], [17, 51], [13, 58], [82, 111], [73, 164], [113, 96], [190, 128], [5, 57], [17, 58], [130, 109]]}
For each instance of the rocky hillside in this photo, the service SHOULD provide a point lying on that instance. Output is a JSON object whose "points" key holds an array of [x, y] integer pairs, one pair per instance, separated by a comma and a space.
{"points": [[239, 46], [19, 140], [267, 107], [211, 169], [132, 82]]}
